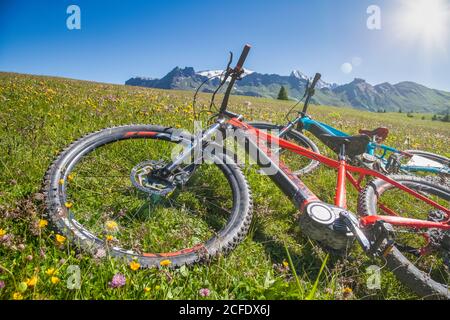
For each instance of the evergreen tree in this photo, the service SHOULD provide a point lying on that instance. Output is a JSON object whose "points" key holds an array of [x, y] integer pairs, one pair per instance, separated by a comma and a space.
{"points": [[283, 95], [446, 118]]}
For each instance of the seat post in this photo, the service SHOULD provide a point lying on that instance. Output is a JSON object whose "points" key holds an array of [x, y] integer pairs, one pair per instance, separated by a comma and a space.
{"points": [[342, 152], [340, 198]]}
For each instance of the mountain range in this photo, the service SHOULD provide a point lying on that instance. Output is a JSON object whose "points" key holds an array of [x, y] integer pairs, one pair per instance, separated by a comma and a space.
{"points": [[406, 96]]}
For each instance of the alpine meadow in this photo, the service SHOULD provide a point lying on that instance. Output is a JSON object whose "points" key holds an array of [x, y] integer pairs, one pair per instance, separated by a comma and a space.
{"points": [[40, 116]]}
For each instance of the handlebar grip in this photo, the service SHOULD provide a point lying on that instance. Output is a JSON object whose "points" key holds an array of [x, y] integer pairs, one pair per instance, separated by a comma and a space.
{"points": [[243, 56], [315, 80]]}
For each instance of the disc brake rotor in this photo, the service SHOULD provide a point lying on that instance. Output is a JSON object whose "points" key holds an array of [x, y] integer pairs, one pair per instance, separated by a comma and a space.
{"points": [[142, 178]]}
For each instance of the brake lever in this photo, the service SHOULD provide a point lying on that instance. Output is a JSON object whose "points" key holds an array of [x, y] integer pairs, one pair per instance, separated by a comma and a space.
{"points": [[230, 60]]}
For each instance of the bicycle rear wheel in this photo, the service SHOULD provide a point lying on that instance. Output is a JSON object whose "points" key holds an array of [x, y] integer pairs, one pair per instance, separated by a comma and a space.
{"points": [[99, 195], [299, 165], [442, 175], [420, 258]]}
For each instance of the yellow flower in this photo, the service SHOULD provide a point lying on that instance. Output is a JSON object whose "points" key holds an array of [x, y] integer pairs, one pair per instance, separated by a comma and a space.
{"points": [[32, 281], [54, 280], [17, 296], [70, 177], [60, 239], [146, 289], [134, 265], [68, 205], [43, 223], [109, 237], [165, 263], [61, 181], [285, 263], [2, 232], [111, 225], [347, 290], [50, 271]]}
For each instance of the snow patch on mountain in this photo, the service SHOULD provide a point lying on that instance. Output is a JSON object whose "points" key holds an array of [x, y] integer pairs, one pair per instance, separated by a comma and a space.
{"points": [[217, 73]]}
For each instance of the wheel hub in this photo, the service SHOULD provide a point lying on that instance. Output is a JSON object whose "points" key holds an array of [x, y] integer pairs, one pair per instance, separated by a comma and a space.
{"points": [[143, 176]]}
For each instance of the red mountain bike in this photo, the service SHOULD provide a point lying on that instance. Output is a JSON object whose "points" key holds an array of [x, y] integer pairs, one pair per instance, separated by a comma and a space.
{"points": [[128, 192]]}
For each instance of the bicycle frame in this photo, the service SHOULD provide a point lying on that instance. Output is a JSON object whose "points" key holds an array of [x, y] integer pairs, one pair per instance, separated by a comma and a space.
{"points": [[308, 123], [296, 190], [300, 194]]}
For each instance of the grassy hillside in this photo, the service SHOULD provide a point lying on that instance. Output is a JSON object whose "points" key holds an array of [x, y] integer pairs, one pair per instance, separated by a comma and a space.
{"points": [[39, 116]]}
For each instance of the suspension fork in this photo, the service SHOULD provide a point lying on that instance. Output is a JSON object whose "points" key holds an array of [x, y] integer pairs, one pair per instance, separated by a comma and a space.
{"points": [[289, 126], [197, 145]]}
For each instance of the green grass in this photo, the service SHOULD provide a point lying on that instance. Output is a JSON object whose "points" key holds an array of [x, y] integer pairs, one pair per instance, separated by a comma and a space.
{"points": [[39, 116]]}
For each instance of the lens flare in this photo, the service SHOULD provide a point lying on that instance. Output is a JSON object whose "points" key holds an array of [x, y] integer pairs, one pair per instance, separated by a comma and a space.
{"points": [[424, 21]]}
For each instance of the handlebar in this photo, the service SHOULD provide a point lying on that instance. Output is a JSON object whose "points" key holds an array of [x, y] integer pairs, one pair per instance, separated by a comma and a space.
{"points": [[242, 58], [310, 90]]}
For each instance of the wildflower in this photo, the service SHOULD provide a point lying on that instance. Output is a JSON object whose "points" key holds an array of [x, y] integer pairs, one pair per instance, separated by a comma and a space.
{"points": [[285, 264], [21, 246], [2, 232], [68, 205], [134, 265], [23, 286], [50, 271], [70, 177], [146, 289], [61, 181], [347, 292], [165, 263], [204, 292], [60, 239], [42, 223], [32, 281], [29, 257], [109, 237], [117, 281], [17, 296], [2, 284], [55, 280], [39, 196], [111, 225], [101, 253]]}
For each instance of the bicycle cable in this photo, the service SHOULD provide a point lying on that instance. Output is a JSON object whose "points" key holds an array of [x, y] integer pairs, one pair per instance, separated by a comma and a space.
{"points": [[223, 76], [296, 104]]}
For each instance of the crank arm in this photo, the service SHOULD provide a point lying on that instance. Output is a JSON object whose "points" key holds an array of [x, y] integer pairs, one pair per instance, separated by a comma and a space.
{"points": [[352, 223]]}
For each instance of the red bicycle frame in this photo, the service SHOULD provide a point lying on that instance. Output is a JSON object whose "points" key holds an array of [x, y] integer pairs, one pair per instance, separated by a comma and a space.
{"points": [[304, 195]]}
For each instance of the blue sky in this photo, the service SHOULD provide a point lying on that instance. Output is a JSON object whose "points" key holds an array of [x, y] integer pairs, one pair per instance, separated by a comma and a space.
{"points": [[120, 39]]}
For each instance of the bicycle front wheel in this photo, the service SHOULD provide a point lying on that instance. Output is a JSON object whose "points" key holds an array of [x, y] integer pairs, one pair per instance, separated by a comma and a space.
{"points": [[99, 195]]}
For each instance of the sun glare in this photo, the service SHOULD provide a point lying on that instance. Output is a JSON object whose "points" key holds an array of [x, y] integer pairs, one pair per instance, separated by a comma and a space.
{"points": [[425, 21]]}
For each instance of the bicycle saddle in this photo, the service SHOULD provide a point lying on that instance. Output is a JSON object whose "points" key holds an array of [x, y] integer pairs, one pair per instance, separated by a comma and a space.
{"points": [[380, 133], [354, 145]]}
